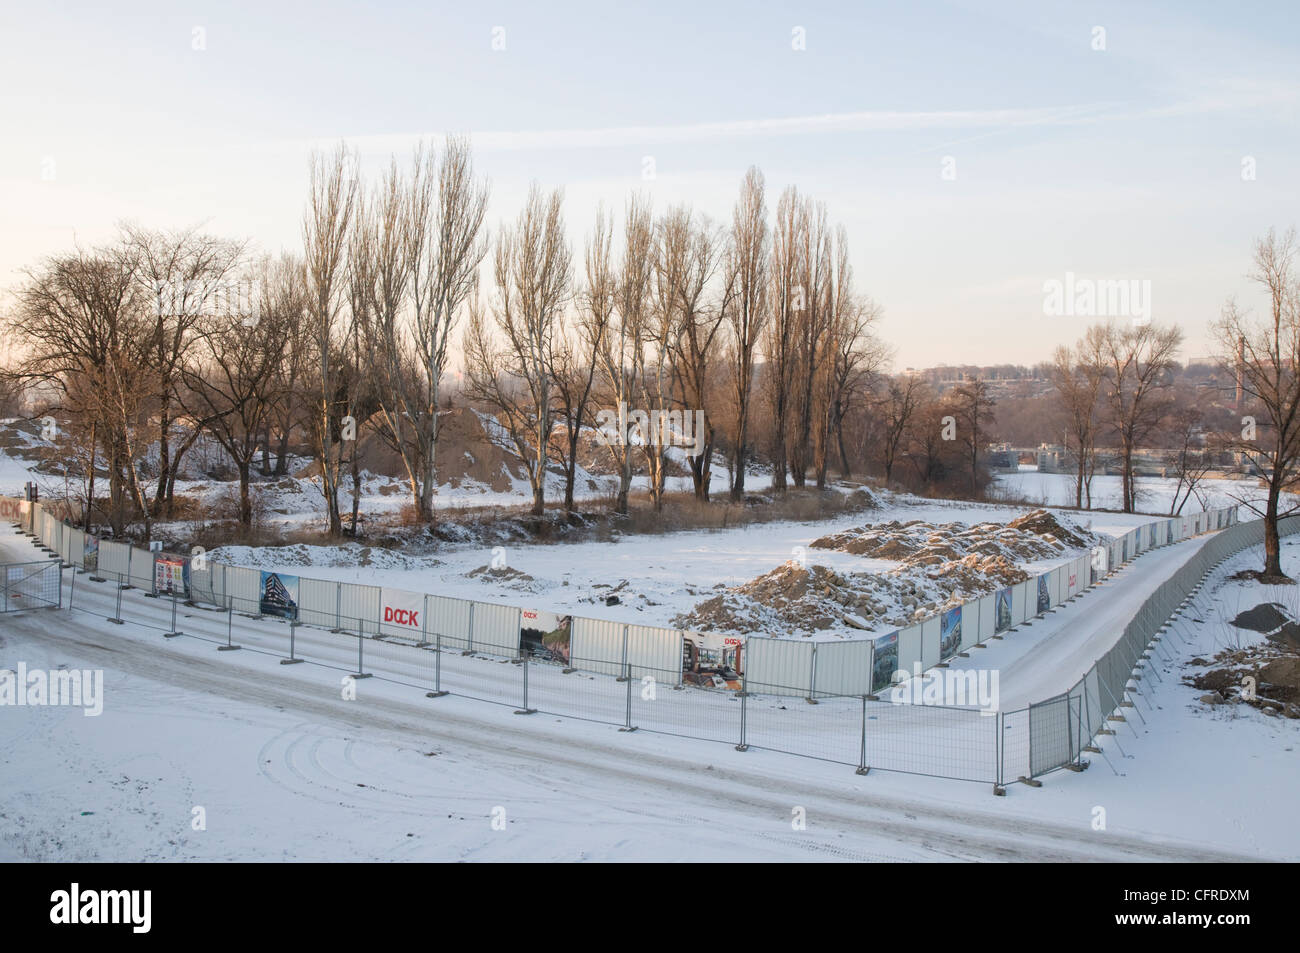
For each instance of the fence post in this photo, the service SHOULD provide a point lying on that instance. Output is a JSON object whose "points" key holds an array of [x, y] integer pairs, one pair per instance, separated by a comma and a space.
{"points": [[338, 607], [999, 754], [230, 626], [627, 717], [744, 714], [172, 633], [361, 666], [812, 675], [437, 669], [862, 750], [523, 655], [72, 591], [117, 613], [293, 657], [469, 637]]}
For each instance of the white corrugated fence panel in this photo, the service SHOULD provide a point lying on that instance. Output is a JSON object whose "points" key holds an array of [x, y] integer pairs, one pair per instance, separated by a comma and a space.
{"points": [[359, 608], [930, 642], [318, 602], [596, 645], [658, 649], [496, 629], [778, 666], [843, 668], [142, 576]]}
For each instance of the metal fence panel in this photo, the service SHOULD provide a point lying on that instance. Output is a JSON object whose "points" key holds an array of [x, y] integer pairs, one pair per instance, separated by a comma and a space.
{"points": [[113, 558], [986, 625], [1021, 601], [597, 645], [359, 608], [447, 622], [909, 649], [1049, 735], [779, 666], [243, 586], [843, 668], [496, 629], [930, 629], [142, 573], [653, 647], [318, 602]]}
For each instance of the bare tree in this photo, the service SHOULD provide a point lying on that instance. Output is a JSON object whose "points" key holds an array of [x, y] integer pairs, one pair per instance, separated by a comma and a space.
{"points": [[448, 242], [1266, 355], [84, 330], [1077, 374], [1138, 361], [973, 405], [1188, 462], [747, 263], [789, 295], [326, 224], [622, 359], [230, 389], [812, 330], [532, 269], [690, 254], [186, 275], [903, 398], [855, 358]]}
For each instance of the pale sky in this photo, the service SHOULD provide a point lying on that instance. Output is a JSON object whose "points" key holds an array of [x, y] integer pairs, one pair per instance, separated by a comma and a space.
{"points": [[1122, 163]]}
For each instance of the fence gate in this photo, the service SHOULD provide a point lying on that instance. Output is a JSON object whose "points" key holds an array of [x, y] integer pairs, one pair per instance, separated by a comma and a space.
{"points": [[31, 585]]}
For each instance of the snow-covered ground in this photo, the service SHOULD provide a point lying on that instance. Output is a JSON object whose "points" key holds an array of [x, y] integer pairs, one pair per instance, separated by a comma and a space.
{"points": [[656, 577], [284, 768]]}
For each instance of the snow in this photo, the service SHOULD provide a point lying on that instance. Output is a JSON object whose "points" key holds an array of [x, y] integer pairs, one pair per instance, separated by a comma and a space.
{"points": [[286, 769], [662, 576]]}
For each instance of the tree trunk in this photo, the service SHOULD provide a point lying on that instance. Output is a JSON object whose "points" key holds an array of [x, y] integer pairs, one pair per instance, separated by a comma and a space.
{"points": [[245, 501], [1272, 545]]}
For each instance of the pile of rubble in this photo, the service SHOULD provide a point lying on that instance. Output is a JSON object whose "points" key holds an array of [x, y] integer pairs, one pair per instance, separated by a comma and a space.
{"points": [[939, 566]]}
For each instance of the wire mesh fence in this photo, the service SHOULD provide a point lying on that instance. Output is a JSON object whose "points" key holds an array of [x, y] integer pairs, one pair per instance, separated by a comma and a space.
{"points": [[866, 732], [33, 585]]}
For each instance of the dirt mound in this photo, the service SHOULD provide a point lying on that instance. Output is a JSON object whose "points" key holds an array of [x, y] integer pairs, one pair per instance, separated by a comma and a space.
{"points": [[799, 600], [1265, 617], [1044, 524], [1034, 536], [501, 574]]}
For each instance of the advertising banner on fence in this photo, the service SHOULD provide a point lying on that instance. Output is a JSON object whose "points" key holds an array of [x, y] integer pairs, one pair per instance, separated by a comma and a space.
{"points": [[171, 574], [714, 661], [950, 633], [279, 595], [11, 511], [886, 663], [1044, 597], [1002, 615], [402, 612], [90, 554], [545, 635]]}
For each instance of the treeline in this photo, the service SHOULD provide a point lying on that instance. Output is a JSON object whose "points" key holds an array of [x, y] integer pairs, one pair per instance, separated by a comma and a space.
{"points": [[142, 345]]}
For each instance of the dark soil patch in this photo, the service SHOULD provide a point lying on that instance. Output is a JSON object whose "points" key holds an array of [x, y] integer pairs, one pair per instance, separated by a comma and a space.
{"points": [[1265, 617]]}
